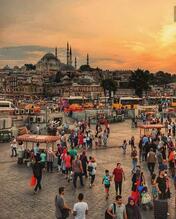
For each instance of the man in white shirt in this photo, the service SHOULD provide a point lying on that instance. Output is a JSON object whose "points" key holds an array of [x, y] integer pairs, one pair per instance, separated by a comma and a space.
{"points": [[80, 209]]}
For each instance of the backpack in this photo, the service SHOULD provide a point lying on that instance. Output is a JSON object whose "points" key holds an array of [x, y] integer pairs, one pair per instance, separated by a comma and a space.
{"points": [[90, 168], [133, 154], [107, 216], [106, 180]]}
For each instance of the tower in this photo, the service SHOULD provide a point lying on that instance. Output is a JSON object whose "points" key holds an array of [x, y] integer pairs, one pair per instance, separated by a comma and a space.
{"points": [[56, 52], [87, 59], [75, 63], [70, 56], [67, 53]]}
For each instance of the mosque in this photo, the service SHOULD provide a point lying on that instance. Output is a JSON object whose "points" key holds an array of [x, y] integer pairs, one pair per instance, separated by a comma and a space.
{"points": [[50, 64]]}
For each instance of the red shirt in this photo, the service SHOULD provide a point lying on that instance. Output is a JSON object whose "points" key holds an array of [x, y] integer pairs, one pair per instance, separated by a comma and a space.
{"points": [[67, 161], [118, 174]]}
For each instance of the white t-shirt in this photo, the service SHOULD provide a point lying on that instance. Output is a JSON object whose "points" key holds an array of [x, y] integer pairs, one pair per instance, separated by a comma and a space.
{"points": [[80, 208], [94, 165]]}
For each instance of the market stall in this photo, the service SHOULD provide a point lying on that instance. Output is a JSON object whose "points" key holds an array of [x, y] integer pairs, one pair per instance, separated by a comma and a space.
{"points": [[146, 128], [46, 139]]}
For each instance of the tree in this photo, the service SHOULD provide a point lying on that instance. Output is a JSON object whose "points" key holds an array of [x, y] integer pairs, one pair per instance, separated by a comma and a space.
{"points": [[30, 67], [109, 85], [162, 78], [140, 81]]}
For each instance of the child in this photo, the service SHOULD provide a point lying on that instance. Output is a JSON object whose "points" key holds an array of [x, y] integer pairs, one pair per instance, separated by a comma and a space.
{"points": [[106, 181], [146, 199], [154, 187]]}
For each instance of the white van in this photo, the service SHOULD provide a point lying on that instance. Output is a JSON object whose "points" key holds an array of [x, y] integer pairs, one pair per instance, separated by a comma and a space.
{"points": [[7, 106]]}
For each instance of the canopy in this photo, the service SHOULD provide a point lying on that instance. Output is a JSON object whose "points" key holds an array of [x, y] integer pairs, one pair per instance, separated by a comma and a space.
{"points": [[150, 126], [38, 138]]}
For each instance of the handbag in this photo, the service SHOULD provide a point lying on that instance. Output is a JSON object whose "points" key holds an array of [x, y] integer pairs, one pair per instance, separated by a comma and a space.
{"points": [[146, 198], [65, 213], [107, 215], [140, 188], [33, 181]]}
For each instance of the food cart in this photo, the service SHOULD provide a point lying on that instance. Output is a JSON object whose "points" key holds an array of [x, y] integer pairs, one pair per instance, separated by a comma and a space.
{"points": [[146, 128], [46, 139]]}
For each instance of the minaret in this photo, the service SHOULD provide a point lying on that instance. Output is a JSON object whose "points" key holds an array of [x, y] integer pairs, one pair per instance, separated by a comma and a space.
{"points": [[56, 52], [67, 53], [70, 56], [87, 59], [75, 63]]}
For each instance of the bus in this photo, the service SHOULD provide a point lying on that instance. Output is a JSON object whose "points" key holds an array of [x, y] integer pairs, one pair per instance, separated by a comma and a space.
{"points": [[158, 100], [7, 106], [75, 100], [127, 102]]}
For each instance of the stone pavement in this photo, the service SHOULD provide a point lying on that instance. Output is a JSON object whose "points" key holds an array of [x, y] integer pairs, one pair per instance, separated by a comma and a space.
{"points": [[18, 202]]}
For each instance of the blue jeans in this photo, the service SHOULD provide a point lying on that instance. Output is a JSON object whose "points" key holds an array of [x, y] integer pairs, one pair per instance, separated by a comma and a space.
{"points": [[134, 164]]}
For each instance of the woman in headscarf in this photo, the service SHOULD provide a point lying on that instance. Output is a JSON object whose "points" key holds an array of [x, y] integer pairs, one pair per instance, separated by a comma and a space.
{"points": [[84, 161], [132, 210]]}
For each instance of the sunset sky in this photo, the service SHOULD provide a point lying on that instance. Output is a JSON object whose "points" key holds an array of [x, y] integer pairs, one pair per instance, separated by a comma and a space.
{"points": [[118, 34]]}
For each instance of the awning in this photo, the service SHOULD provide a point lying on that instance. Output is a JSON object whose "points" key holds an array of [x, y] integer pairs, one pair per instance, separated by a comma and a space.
{"points": [[38, 138], [151, 126]]}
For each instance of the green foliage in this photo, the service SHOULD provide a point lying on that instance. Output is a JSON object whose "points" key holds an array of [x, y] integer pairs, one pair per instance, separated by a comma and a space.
{"points": [[140, 80], [30, 67], [161, 78], [109, 85]]}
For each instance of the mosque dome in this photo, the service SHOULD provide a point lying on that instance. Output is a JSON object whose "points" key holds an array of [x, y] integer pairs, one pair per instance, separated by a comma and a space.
{"points": [[49, 62], [49, 57]]}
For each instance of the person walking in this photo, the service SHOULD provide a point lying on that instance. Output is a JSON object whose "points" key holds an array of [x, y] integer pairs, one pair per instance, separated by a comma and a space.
{"points": [[67, 160], [77, 171], [43, 158], [37, 151], [134, 159], [132, 143], [132, 210], [161, 185], [50, 160], [92, 166], [151, 160], [124, 146], [37, 171], [61, 208], [119, 176], [107, 182], [80, 209], [84, 161], [117, 210]]}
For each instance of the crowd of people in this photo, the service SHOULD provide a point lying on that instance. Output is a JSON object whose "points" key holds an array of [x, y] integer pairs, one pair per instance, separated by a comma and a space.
{"points": [[156, 150]]}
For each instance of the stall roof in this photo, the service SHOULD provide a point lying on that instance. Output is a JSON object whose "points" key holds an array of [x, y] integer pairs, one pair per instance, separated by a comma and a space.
{"points": [[151, 126], [38, 138]]}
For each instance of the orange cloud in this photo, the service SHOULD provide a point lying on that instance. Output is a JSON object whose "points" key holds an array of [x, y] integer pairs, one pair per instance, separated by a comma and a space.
{"points": [[116, 33]]}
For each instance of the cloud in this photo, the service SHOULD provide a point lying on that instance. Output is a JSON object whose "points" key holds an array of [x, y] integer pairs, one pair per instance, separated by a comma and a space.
{"points": [[22, 52], [32, 53]]}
